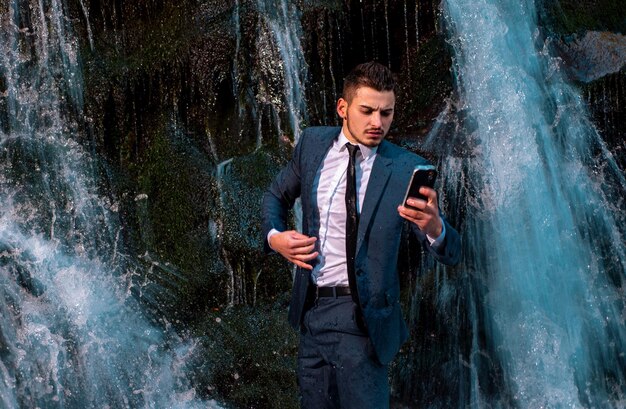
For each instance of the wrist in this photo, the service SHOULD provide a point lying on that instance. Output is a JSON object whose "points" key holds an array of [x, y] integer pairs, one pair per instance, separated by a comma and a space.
{"points": [[271, 234], [436, 232]]}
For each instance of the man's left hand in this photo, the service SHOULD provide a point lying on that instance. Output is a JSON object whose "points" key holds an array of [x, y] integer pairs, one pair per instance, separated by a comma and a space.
{"points": [[424, 213]]}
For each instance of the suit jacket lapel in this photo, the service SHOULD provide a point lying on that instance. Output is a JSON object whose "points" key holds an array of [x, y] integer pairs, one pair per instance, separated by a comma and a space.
{"points": [[314, 160], [381, 170], [317, 155]]}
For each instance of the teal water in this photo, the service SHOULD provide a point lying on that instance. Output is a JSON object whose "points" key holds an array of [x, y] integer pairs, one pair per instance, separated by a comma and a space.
{"points": [[543, 225], [72, 334]]}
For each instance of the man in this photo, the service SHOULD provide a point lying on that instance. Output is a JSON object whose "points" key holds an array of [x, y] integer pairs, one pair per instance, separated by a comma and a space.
{"points": [[346, 289]]}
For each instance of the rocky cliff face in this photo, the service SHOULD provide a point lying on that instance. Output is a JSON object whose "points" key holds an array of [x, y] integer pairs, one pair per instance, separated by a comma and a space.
{"points": [[189, 101], [589, 37]]}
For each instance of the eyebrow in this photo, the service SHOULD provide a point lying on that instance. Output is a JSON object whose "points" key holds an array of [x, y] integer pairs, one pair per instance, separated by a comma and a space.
{"points": [[374, 109]]}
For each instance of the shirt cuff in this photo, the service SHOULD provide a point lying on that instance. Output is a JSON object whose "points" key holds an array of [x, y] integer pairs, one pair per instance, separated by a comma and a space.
{"points": [[270, 234], [434, 243]]}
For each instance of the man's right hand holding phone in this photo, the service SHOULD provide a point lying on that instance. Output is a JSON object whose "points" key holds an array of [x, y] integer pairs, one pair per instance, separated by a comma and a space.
{"points": [[424, 213]]}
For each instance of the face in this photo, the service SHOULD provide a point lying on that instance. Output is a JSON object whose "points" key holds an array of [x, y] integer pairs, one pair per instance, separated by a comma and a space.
{"points": [[367, 118]]}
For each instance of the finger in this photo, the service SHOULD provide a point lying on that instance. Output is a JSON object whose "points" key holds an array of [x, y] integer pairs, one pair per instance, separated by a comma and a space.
{"points": [[299, 236], [416, 203], [411, 219], [412, 213], [418, 217], [431, 194], [302, 242], [302, 264], [416, 222], [408, 217], [305, 257], [425, 208], [303, 250]]}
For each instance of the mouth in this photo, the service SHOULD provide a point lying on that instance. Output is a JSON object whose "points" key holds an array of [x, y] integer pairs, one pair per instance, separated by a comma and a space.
{"points": [[375, 134]]}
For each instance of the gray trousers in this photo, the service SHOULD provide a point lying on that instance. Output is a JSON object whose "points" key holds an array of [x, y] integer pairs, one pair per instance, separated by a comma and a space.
{"points": [[337, 367]]}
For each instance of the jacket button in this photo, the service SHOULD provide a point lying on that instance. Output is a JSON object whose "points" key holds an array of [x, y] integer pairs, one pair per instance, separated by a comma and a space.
{"points": [[360, 272]]}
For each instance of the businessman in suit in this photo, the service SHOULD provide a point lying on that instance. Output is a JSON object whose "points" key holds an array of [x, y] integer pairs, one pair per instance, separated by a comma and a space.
{"points": [[345, 298]]}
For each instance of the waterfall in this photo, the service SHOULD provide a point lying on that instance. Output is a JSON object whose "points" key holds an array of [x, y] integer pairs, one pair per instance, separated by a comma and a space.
{"points": [[283, 20], [72, 333], [89, 32], [388, 44], [417, 33], [543, 223], [406, 37], [219, 177]]}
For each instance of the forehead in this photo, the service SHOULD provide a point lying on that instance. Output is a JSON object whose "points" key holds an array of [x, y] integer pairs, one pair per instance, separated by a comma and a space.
{"points": [[372, 98]]}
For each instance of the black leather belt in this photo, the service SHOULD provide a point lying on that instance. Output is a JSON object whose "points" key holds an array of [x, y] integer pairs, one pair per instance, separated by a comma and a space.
{"points": [[331, 291]]}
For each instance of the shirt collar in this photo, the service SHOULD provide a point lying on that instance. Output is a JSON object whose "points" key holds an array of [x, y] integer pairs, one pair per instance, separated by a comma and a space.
{"points": [[366, 151]]}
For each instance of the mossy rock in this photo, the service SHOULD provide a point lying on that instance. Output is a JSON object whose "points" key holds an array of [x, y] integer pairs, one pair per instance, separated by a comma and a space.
{"points": [[247, 357], [576, 16], [424, 88], [174, 205], [243, 185]]}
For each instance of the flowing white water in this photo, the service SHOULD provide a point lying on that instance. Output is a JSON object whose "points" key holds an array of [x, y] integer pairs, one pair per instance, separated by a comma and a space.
{"points": [[544, 228], [89, 32], [219, 177], [283, 20], [72, 335]]}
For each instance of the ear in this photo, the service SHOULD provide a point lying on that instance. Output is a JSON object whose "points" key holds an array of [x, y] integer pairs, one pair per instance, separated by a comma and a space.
{"points": [[342, 108]]}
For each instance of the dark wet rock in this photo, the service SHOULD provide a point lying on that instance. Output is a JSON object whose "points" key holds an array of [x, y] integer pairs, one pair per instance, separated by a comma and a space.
{"points": [[565, 17], [593, 55], [242, 185]]}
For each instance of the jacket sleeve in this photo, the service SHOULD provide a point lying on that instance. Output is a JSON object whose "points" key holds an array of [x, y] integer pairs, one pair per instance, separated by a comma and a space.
{"points": [[281, 196], [449, 251]]}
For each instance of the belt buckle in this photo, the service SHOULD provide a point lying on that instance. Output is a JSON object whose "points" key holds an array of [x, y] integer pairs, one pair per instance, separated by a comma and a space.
{"points": [[332, 289], [318, 290]]}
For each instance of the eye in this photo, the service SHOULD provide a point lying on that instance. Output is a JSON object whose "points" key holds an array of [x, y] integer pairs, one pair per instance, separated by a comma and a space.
{"points": [[386, 113]]}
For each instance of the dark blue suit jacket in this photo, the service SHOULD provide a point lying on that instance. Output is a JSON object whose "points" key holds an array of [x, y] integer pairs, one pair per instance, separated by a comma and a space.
{"points": [[379, 235]]}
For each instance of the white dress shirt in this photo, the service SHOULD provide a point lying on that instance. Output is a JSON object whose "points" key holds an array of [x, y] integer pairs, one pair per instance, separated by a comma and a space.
{"points": [[330, 184]]}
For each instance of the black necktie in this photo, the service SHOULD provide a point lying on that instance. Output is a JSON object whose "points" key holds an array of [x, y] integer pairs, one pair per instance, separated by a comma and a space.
{"points": [[352, 220]]}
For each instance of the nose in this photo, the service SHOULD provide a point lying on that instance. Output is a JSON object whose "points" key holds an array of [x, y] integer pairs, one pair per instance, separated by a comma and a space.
{"points": [[376, 120]]}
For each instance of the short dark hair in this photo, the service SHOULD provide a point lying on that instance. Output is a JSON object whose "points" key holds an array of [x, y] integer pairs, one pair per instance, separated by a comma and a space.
{"points": [[370, 74]]}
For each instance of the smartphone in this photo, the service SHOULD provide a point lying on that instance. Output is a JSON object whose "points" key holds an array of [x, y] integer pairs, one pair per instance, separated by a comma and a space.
{"points": [[423, 175]]}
